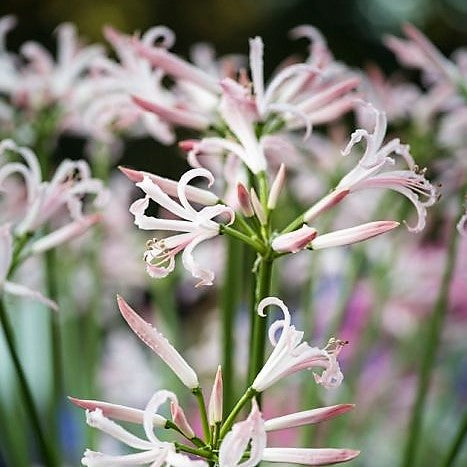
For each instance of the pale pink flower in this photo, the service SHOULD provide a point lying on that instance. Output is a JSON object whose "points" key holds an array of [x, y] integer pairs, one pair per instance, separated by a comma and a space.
{"points": [[44, 80], [116, 83], [159, 344], [368, 172], [249, 432], [419, 52], [291, 354], [6, 257], [301, 93], [70, 182], [196, 227], [252, 433], [152, 451]]}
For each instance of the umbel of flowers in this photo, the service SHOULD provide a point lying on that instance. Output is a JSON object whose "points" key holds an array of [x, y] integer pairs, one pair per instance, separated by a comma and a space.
{"points": [[223, 442]]}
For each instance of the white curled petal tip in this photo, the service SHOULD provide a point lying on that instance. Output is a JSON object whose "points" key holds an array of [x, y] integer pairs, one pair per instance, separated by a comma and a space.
{"points": [[265, 302], [163, 35], [152, 407]]}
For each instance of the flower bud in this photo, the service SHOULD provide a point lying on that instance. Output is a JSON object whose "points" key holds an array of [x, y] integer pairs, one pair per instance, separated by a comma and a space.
{"points": [[294, 241], [179, 418], [215, 402], [257, 207], [276, 187], [353, 235], [244, 200]]}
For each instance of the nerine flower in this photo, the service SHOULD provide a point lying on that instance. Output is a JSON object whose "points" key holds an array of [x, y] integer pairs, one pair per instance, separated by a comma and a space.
{"points": [[195, 226], [291, 354], [419, 52], [71, 181], [116, 83], [368, 173], [6, 257], [252, 433], [152, 451], [45, 80]]}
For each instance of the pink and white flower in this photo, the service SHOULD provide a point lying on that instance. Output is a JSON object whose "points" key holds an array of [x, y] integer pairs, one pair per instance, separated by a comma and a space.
{"points": [[252, 432], [116, 82], [46, 81], [368, 173], [291, 354], [71, 181], [152, 451], [195, 227]]}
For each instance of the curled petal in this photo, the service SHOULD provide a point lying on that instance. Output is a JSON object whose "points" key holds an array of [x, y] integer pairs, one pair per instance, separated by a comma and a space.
{"points": [[152, 407], [206, 276]]}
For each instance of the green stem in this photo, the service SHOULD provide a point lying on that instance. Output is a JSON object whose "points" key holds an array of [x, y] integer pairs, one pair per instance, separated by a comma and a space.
{"points": [[45, 449], [429, 352], [249, 394], [197, 452], [295, 224], [457, 443], [258, 335], [225, 229], [231, 295], [204, 415], [57, 382]]}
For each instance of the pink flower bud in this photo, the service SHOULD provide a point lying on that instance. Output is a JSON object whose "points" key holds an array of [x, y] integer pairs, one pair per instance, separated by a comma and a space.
{"points": [[187, 144], [244, 200], [215, 402], [294, 241], [353, 235], [276, 187], [257, 207], [179, 418]]}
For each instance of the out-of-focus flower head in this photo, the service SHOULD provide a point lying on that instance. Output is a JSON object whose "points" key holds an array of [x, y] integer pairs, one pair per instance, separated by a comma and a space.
{"points": [[70, 182], [45, 81]]}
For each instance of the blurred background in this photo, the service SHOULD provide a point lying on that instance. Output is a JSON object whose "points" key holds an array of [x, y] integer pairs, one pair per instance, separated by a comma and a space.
{"points": [[353, 29], [384, 378]]}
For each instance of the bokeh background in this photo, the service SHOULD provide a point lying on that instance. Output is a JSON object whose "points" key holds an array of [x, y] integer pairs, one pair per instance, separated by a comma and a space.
{"points": [[353, 29]]}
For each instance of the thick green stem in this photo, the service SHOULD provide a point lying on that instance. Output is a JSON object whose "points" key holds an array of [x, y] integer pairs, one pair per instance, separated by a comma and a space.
{"points": [[225, 229], [431, 344], [203, 413], [45, 449], [249, 394], [457, 443], [231, 296], [258, 334]]}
